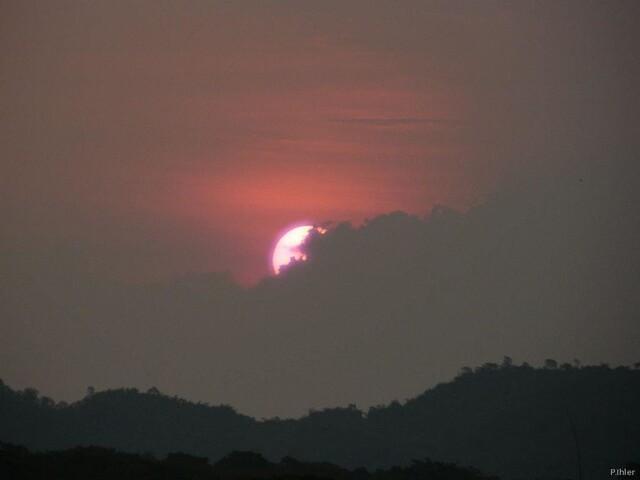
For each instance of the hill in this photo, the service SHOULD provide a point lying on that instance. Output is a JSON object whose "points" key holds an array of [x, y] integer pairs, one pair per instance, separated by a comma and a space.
{"points": [[511, 421], [107, 464]]}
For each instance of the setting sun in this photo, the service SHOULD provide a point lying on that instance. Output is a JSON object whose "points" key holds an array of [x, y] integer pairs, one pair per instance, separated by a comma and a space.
{"points": [[288, 247]]}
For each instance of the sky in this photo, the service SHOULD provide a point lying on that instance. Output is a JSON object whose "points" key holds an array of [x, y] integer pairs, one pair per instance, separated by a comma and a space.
{"points": [[153, 151]]}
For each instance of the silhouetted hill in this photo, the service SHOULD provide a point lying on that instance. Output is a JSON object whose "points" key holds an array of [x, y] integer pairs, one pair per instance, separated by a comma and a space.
{"points": [[108, 464], [512, 421]]}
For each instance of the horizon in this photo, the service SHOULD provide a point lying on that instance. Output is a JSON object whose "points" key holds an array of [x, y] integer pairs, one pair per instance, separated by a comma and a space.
{"points": [[548, 365]]}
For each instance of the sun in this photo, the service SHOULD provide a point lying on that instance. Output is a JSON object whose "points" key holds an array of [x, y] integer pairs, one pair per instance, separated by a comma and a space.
{"points": [[288, 247]]}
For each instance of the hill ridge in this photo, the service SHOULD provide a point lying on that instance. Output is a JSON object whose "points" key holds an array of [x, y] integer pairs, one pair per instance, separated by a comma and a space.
{"points": [[506, 420]]}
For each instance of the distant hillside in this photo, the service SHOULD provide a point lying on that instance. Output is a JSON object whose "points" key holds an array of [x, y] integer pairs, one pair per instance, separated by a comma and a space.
{"points": [[511, 421]]}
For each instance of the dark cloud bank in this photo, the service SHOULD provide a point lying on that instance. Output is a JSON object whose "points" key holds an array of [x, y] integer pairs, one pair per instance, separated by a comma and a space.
{"points": [[548, 267]]}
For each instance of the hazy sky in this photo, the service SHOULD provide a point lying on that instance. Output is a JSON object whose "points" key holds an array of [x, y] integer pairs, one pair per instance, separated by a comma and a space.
{"points": [[143, 141]]}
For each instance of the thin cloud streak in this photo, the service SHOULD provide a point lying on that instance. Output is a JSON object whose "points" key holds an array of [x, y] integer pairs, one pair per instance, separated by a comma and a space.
{"points": [[393, 122]]}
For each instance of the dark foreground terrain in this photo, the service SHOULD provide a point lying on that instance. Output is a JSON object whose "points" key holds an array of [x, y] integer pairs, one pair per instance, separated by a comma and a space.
{"points": [[560, 421], [103, 463]]}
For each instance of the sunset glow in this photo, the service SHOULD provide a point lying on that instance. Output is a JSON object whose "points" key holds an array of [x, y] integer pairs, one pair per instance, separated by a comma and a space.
{"points": [[168, 173]]}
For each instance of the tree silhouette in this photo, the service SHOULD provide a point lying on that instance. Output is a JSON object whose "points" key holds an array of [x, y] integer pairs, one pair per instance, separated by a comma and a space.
{"points": [[486, 418]]}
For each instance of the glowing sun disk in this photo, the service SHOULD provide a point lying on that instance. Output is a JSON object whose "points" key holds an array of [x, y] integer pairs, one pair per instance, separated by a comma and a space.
{"points": [[288, 247]]}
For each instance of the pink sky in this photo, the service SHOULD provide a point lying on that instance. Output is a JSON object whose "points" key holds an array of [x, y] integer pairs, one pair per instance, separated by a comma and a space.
{"points": [[170, 138]]}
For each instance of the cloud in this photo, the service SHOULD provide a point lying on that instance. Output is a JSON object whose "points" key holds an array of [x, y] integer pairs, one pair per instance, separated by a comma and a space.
{"points": [[546, 268], [393, 122]]}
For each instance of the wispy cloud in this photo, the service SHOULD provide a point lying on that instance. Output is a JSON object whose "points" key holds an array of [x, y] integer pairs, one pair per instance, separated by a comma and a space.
{"points": [[393, 122]]}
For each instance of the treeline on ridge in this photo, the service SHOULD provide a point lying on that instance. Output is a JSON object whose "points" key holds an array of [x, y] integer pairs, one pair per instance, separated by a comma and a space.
{"points": [[514, 421], [108, 464]]}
